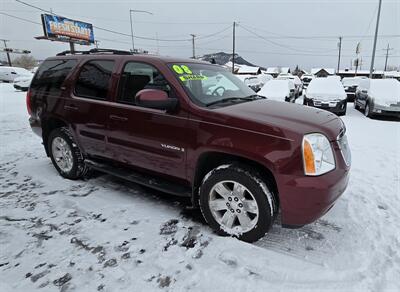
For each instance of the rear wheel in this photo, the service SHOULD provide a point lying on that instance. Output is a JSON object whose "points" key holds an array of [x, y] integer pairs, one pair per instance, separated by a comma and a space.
{"points": [[65, 154], [235, 201]]}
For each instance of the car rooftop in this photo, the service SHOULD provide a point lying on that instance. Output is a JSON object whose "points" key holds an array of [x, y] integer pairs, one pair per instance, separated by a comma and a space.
{"points": [[126, 55]]}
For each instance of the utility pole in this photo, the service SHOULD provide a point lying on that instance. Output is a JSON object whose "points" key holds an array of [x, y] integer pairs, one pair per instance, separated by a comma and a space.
{"points": [[193, 47], [371, 70], [387, 56], [233, 48], [130, 17], [340, 52], [8, 54]]}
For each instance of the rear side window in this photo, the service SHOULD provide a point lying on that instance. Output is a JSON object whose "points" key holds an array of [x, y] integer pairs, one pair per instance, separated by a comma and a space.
{"points": [[137, 76], [51, 75], [94, 79]]}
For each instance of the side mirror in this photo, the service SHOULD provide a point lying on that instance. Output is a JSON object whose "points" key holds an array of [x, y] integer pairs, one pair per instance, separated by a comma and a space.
{"points": [[156, 99], [364, 91]]}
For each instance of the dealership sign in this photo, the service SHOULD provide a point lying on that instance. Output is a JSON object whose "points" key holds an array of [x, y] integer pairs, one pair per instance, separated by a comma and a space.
{"points": [[64, 29]]}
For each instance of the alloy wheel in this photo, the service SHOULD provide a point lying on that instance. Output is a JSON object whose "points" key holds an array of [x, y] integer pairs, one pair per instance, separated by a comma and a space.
{"points": [[233, 206], [62, 154]]}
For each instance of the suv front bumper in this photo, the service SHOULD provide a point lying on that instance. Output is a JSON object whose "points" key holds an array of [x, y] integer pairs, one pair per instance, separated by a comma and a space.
{"points": [[304, 199], [390, 111], [338, 107]]}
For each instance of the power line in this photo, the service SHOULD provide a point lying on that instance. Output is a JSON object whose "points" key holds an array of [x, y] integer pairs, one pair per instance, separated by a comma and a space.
{"points": [[331, 37], [276, 43], [20, 18], [109, 30], [125, 34]]}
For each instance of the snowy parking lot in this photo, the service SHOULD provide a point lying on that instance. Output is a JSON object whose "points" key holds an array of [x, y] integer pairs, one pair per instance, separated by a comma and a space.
{"points": [[104, 234]]}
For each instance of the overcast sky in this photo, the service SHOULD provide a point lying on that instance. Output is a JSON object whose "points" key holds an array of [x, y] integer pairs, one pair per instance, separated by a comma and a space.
{"points": [[270, 33]]}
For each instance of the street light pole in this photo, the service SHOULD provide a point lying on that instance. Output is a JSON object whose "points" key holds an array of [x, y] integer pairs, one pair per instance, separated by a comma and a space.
{"points": [[340, 52], [193, 46], [131, 20], [371, 70]]}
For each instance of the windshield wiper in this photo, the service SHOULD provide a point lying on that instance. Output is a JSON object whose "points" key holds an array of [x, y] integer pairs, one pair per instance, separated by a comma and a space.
{"points": [[228, 99]]}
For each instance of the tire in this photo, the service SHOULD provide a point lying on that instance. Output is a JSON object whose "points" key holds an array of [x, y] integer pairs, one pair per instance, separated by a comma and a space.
{"points": [[343, 113], [367, 111], [356, 106], [254, 196], [77, 168]]}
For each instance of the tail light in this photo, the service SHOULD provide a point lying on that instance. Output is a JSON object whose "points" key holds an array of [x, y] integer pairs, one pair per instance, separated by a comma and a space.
{"points": [[28, 102]]}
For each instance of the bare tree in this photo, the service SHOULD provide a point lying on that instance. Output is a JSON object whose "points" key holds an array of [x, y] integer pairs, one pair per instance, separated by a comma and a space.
{"points": [[25, 61]]}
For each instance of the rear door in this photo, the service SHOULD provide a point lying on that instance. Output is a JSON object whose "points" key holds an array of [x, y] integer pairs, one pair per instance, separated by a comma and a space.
{"points": [[143, 137], [87, 107]]}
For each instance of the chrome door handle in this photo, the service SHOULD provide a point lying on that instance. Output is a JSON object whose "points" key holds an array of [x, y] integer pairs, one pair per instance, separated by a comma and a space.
{"points": [[118, 118], [70, 107]]}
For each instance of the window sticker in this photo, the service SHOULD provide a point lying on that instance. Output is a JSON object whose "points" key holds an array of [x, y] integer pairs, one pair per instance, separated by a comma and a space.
{"points": [[186, 69], [182, 69], [192, 77], [177, 69]]}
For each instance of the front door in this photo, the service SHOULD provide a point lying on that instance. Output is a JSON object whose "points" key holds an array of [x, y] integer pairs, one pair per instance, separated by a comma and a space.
{"points": [[142, 137]]}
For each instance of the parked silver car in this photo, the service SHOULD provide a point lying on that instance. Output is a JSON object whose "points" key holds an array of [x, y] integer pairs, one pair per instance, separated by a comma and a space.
{"points": [[378, 97]]}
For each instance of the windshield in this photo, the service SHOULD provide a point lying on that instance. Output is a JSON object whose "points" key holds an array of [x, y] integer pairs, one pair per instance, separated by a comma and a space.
{"points": [[211, 84]]}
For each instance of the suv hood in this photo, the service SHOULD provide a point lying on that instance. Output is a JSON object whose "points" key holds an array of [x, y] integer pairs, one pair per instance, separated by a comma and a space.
{"points": [[294, 120]]}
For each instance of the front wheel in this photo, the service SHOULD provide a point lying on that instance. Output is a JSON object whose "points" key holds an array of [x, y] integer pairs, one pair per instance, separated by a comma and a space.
{"points": [[65, 154], [235, 201], [367, 111], [356, 106]]}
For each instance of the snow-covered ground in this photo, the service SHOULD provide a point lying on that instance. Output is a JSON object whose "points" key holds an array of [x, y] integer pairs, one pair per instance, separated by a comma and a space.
{"points": [[104, 234]]}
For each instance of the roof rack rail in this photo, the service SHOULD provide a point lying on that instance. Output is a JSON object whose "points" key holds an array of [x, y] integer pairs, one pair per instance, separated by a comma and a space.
{"points": [[96, 51]]}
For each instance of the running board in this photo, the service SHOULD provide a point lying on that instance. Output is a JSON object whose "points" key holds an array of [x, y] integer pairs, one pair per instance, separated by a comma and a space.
{"points": [[140, 178]]}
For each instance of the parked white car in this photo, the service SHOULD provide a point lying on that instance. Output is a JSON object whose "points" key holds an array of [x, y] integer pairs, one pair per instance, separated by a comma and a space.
{"points": [[264, 78], [22, 83], [8, 74], [327, 94], [350, 86], [280, 90], [252, 81], [306, 79], [296, 80], [379, 97]]}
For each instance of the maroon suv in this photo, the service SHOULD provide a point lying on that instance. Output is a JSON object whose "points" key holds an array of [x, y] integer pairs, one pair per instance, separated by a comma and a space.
{"points": [[191, 129]]}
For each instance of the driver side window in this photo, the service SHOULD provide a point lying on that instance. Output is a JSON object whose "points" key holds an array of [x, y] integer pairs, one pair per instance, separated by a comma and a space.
{"points": [[137, 76]]}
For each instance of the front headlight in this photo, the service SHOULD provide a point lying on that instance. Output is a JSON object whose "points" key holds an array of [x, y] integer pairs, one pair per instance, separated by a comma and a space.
{"points": [[317, 154]]}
